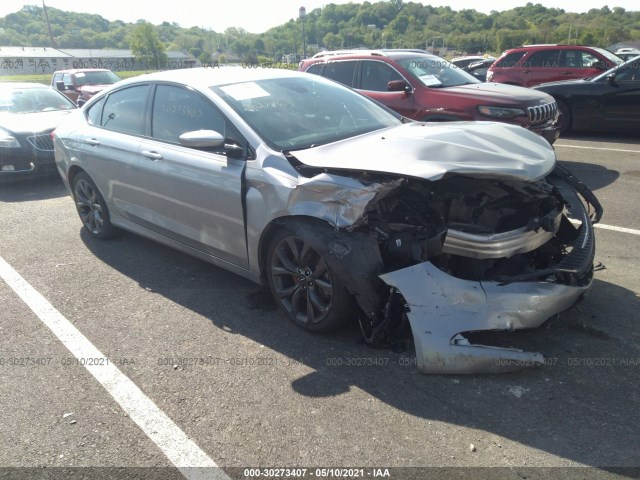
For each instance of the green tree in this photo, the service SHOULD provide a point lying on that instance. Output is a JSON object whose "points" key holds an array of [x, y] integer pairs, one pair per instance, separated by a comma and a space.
{"points": [[146, 45]]}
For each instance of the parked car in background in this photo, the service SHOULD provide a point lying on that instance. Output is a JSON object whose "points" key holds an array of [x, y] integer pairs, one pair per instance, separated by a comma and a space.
{"points": [[627, 53], [476, 65], [608, 102], [427, 88], [28, 114], [531, 65], [82, 84], [345, 209]]}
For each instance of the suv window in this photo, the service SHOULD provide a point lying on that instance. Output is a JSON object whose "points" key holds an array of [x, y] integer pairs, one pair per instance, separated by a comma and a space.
{"points": [[342, 72], [316, 68], [544, 59], [124, 110], [510, 60], [177, 110], [377, 75], [577, 59]]}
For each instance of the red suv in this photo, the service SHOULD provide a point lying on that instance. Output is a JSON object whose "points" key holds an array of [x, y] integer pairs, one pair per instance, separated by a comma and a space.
{"points": [[79, 85], [427, 88], [534, 64]]}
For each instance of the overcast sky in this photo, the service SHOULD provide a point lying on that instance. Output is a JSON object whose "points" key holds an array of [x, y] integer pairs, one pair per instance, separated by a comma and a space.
{"points": [[258, 16]]}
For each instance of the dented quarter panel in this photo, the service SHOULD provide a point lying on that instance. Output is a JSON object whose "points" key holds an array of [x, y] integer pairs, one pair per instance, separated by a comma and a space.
{"points": [[432, 150]]}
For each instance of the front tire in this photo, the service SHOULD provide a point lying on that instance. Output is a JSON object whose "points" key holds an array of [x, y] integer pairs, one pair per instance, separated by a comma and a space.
{"points": [[304, 285], [92, 208]]}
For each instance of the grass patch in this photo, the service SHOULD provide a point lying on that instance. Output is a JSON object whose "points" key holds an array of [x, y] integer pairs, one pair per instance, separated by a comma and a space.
{"points": [[45, 78]]}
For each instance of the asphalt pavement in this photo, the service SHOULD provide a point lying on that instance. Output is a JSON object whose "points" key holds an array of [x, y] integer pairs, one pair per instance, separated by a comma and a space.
{"points": [[191, 366]]}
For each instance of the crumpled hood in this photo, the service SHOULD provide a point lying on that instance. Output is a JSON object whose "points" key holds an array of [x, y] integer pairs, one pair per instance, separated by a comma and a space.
{"points": [[32, 122], [431, 150]]}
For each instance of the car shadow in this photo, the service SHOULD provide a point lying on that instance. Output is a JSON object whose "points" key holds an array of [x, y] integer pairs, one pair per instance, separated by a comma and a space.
{"points": [[623, 138], [582, 406], [30, 189], [592, 175]]}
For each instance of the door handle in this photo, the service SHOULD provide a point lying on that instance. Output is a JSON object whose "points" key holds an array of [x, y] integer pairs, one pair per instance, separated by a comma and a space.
{"points": [[151, 155], [94, 142], [526, 71], [566, 73]]}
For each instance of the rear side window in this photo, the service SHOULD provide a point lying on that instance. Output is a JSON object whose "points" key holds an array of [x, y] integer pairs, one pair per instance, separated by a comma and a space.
{"points": [[510, 60], [316, 68], [544, 59], [342, 72]]}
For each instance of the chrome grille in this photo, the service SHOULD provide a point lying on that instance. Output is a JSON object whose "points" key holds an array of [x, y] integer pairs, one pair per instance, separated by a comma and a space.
{"points": [[543, 113], [41, 142]]}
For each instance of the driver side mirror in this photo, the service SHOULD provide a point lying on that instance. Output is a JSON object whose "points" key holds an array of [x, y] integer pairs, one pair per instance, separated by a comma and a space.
{"points": [[399, 86], [60, 86], [611, 78], [599, 65]]}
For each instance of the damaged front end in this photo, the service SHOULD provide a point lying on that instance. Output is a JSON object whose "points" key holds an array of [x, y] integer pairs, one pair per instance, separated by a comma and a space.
{"points": [[466, 254]]}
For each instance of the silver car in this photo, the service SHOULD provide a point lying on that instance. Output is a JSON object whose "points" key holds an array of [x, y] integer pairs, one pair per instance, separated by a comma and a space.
{"points": [[347, 211]]}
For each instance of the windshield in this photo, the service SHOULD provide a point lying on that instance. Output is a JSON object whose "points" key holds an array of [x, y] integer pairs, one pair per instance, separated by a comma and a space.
{"points": [[96, 78], [29, 100], [436, 72], [302, 112]]}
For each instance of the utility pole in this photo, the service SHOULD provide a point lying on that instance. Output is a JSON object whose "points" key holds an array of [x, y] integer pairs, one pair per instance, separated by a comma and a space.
{"points": [[302, 12], [46, 16]]}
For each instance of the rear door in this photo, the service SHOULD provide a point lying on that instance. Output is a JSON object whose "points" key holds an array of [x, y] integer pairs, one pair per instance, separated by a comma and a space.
{"points": [[109, 146], [540, 67]]}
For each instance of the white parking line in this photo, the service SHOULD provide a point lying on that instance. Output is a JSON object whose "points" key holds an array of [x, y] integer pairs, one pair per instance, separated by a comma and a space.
{"points": [[617, 229], [596, 148], [182, 452]]}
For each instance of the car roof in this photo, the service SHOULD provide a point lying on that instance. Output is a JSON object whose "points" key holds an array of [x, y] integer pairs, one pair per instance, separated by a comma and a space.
{"points": [[23, 85], [384, 53], [81, 70], [208, 77]]}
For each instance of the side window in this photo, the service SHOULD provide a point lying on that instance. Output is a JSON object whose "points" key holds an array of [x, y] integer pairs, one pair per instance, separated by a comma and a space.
{"points": [[341, 71], [376, 76], [630, 74], [177, 110], [544, 59], [510, 60], [95, 112], [572, 59], [315, 68], [589, 60], [124, 110]]}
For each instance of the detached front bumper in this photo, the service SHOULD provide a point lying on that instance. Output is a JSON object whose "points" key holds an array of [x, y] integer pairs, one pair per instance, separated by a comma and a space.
{"points": [[441, 307]]}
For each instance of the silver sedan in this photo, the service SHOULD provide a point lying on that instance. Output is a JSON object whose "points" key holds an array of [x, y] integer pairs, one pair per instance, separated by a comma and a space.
{"points": [[347, 211]]}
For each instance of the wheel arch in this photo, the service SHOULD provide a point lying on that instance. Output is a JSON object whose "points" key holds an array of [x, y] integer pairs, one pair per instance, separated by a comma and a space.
{"points": [[354, 256]]}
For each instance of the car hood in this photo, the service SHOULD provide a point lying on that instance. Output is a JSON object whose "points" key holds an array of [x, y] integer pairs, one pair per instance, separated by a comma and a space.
{"points": [[562, 83], [32, 122], [432, 150], [501, 92]]}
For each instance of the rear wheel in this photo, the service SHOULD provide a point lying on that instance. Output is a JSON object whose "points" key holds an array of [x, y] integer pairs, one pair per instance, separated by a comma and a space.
{"points": [[92, 208], [304, 285]]}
